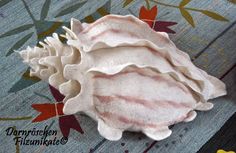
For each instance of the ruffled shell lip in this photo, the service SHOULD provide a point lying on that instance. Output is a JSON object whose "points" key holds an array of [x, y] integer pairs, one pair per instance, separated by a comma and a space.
{"points": [[171, 54]]}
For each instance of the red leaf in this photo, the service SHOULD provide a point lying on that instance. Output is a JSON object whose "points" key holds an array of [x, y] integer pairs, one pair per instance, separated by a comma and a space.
{"points": [[65, 122], [163, 26], [148, 15], [56, 94], [47, 111], [68, 122]]}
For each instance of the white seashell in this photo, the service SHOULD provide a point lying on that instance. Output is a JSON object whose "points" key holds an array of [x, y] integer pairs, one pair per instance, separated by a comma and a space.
{"points": [[48, 63], [124, 75]]}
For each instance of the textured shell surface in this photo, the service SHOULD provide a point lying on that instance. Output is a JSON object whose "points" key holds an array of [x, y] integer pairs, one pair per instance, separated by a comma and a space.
{"points": [[125, 77]]}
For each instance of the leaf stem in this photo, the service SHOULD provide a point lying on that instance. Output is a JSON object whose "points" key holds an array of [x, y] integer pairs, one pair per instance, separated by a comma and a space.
{"points": [[174, 6], [15, 119], [147, 4], [192, 9], [164, 4]]}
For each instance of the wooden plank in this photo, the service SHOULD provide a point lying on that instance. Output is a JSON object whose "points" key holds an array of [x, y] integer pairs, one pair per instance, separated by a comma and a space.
{"points": [[220, 56], [224, 139]]}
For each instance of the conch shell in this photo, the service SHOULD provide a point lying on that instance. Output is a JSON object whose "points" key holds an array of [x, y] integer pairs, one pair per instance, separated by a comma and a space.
{"points": [[124, 75]]}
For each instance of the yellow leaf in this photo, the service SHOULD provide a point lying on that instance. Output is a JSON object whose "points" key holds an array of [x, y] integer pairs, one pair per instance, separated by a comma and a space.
{"points": [[184, 2], [27, 76], [102, 11], [89, 19], [187, 16], [222, 151], [232, 1], [127, 2], [214, 15]]}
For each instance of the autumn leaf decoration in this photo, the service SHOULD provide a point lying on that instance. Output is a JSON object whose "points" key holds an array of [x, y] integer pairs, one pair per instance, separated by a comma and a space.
{"points": [[51, 110], [149, 16], [185, 11]]}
